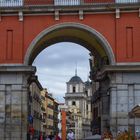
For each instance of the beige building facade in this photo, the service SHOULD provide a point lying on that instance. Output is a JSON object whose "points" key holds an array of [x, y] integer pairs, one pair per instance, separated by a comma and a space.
{"points": [[50, 115], [44, 95], [34, 105], [76, 122], [56, 120]]}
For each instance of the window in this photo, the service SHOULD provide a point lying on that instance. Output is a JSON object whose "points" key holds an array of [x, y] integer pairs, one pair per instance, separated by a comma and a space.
{"points": [[73, 103], [74, 89], [87, 107]]}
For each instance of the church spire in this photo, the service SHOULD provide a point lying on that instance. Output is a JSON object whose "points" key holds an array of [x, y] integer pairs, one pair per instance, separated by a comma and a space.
{"points": [[76, 70]]}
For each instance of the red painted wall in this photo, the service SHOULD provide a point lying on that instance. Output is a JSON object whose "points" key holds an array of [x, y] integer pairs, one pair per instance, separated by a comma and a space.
{"points": [[122, 34]]}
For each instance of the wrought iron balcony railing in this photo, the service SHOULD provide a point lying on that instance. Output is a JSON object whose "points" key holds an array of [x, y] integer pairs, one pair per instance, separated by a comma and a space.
{"points": [[22, 3]]}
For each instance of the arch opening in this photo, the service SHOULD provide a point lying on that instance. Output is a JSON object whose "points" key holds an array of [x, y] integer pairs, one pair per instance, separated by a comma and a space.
{"points": [[75, 33]]}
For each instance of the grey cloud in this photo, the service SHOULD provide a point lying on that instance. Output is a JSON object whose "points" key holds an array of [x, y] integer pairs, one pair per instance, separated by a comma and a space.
{"points": [[57, 64], [62, 55]]}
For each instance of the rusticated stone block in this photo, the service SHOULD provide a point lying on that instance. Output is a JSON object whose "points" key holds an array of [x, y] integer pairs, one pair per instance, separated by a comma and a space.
{"points": [[24, 98], [137, 87], [122, 107], [16, 134], [15, 127], [137, 93], [8, 99], [137, 121], [2, 87], [16, 97], [122, 87], [16, 108], [16, 121], [123, 100], [119, 78], [121, 93], [2, 108], [2, 118], [8, 120], [137, 100], [122, 121], [2, 98], [131, 78], [131, 121], [2, 136], [7, 108], [16, 87], [7, 133]]}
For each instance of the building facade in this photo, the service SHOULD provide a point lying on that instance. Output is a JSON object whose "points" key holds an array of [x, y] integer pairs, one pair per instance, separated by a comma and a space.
{"points": [[78, 95], [34, 105], [76, 122], [50, 115], [116, 93], [56, 120], [44, 95]]}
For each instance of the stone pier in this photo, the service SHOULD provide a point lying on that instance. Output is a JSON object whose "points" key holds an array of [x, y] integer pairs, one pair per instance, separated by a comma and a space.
{"points": [[13, 101], [124, 95]]}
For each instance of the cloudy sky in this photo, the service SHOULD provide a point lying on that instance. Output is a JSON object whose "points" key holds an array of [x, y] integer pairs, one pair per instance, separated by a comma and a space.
{"points": [[57, 64]]}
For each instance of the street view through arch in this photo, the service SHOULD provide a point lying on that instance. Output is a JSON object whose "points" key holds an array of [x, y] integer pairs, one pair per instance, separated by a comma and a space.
{"points": [[56, 65]]}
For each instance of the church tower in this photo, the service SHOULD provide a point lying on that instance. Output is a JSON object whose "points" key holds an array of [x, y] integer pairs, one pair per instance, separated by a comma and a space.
{"points": [[78, 96]]}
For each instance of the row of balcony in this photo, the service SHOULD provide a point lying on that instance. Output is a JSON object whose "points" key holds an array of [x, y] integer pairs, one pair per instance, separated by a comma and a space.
{"points": [[50, 127], [21, 3], [43, 108], [38, 116], [50, 106], [37, 98]]}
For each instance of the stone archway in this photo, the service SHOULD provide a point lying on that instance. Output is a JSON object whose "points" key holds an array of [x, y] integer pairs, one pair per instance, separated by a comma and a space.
{"points": [[65, 32], [81, 34]]}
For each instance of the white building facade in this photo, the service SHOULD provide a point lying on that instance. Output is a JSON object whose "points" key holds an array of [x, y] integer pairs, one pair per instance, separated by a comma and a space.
{"points": [[78, 96]]}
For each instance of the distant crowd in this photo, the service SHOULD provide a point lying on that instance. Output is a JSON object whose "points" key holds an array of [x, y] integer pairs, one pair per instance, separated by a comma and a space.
{"points": [[30, 136]]}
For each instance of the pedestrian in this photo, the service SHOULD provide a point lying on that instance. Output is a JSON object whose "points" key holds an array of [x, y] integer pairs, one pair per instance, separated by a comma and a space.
{"points": [[51, 136], [47, 138], [31, 132], [57, 137], [40, 137], [70, 135]]}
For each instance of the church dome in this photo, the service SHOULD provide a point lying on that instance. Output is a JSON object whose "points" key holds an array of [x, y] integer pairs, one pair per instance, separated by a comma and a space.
{"points": [[75, 79]]}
